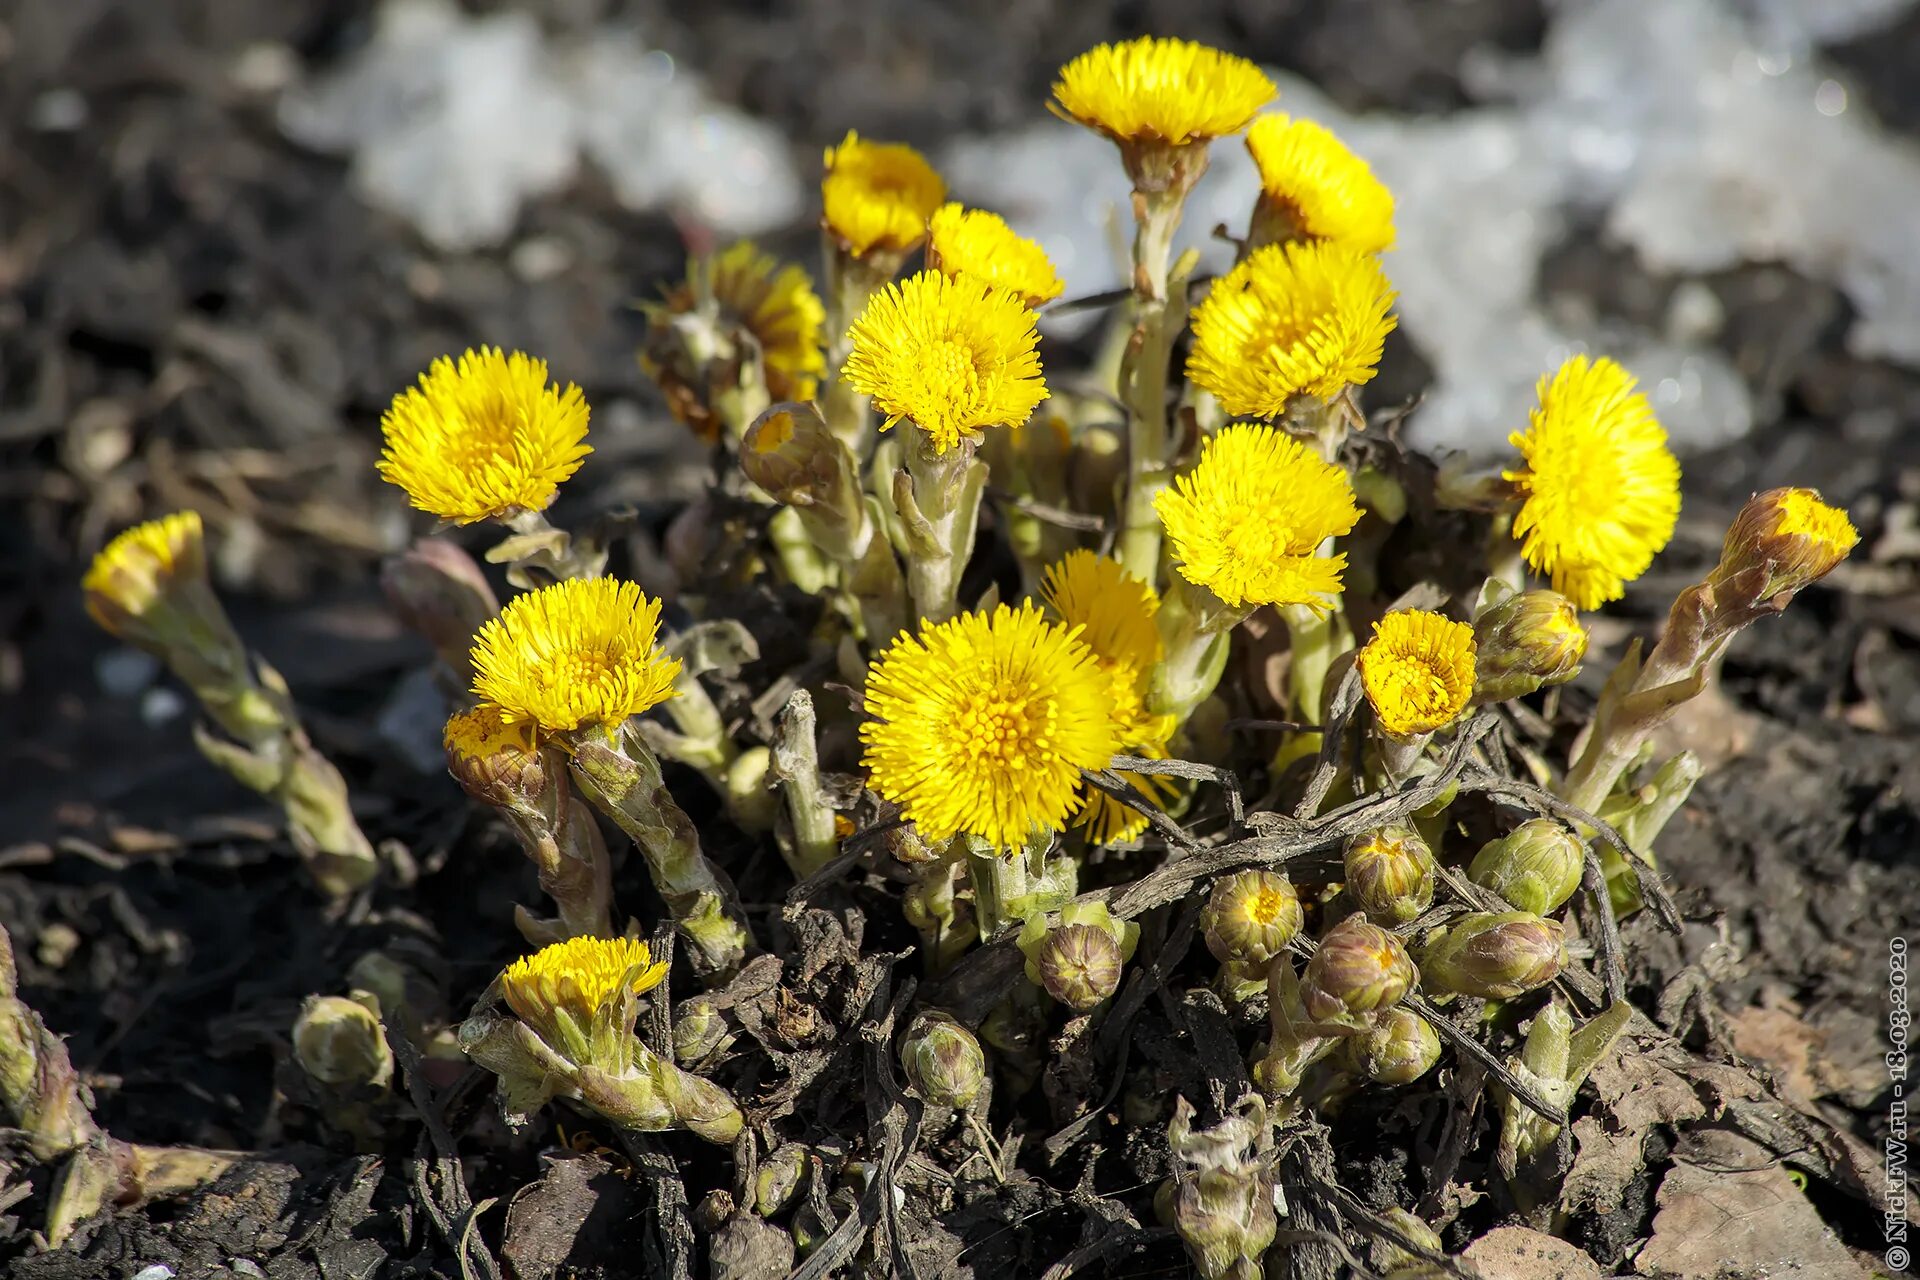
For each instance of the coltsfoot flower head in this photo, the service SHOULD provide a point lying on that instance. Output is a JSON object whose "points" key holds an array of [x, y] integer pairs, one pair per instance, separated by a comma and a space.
{"points": [[943, 1061], [1600, 489], [1250, 917], [485, 437], [1115, 612], [1495, 955], [1357, 969], [974, 243], [878, 196], [1161, 90], [1536, 866], [983, 724], [1313, 188], [575, 980], [1305, 318], [1399, 1051], [951, 356], [692, 347], [577, 653], [145, 575], [496, 761], [1390, 873], [1417, 672], [1527, 641], [1784, 540], [1079, 965], [1246, 521]]}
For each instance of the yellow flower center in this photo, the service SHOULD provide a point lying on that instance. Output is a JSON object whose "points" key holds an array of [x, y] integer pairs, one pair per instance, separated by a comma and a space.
{"points": [[953, 368], [1802, 513], [1006, 731], [1248, 537], [1267, 906]]}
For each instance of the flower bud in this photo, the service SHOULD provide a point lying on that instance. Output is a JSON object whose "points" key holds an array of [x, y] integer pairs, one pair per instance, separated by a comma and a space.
{"points": [[497, 762], [1415, 1230], [1495, 955], [149, 587], [1357, 969], [340, 1043], [1782, 540], [438, 591], [777, 1183], [790, 453], [1399, 1051], [1250, 917], [943, 1061], [1390, 873], [1078, 965], [1527, 641], [699, 1030], [1536, 866]]}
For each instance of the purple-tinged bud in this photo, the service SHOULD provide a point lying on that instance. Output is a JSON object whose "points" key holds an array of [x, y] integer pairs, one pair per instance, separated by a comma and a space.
{"points": [[1390, 874], [1357, 969], [1495, 955]]}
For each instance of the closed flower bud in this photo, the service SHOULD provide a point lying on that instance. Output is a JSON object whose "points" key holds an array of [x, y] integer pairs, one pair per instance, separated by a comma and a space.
{"points": [[341, 1043], [1251, 917], [1495, 955], [1527, 641], [439, 592], [943, 1061], [1415, 1230], [1390, 873], [1782, 540], [789, 452], [699, 1030], [778, 1182], [1358, 968], [1536, 867], [1399, 1051], [1078, 965], [497, 762]]}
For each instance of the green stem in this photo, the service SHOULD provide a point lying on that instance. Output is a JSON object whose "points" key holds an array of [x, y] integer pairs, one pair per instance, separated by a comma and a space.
{"points": [[1143, 378], [942, 506]]}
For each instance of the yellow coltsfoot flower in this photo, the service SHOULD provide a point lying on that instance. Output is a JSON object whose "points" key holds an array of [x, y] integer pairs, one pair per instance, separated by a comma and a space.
{"points": [[1115, 614], [1784, 540], [484, 438], [1246, 522], [951, 356], [1417, 672], [1313, 188], [692, 346], [984, 723], [1600, 488], [964, 242], [576, 979], [1161, 90], [877, 196], [149, 587], [1298, 319], [578, 653]]}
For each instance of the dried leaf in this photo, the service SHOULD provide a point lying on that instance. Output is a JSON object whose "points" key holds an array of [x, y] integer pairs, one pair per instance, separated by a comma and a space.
{"points": [[1515, 1253]]}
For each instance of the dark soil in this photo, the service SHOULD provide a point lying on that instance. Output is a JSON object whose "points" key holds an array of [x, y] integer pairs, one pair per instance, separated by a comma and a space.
{"points": [[193, 312]]}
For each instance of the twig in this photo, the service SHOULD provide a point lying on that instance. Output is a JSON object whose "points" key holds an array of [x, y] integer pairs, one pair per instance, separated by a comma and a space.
{"points": [[1048, 515], [1117, 1239], [1332, 735], [1466, 1044], [1194, 772]]}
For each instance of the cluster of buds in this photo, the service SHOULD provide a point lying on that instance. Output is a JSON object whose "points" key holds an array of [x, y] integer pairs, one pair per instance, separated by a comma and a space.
{"points": [[1349, 988], [568, 1031], [1077, 960], [149, 587]]}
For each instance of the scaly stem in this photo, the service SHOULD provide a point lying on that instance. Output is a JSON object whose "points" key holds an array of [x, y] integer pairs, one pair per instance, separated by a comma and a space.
{"points": [[938, 497], [1196, 630], [796, 763], [1143, 377]]}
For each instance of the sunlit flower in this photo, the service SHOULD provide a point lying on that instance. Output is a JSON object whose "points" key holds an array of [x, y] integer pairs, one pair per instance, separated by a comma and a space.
{"points": [[580, 652], [1115, 612], [575, 979], [951, 356], [1791, 536], [1316, 189], [1247, 520], [751, 291], [495, 760], [1301, 318], [984, 723], [484, 438], [1601, 489], [878, 195], [1161, 90], [972, 242], [137, 570], [1417, 671]]}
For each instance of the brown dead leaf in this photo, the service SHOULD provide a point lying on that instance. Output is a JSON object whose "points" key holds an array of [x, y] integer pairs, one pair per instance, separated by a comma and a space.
{"points": [[1605, 1163], [1729, 1211], [1515, 1253], [1640, 1092], [1775, 1035]]}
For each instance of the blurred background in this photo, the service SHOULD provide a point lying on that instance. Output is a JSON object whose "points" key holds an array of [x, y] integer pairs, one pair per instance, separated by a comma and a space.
{"points": [[230, 230]]}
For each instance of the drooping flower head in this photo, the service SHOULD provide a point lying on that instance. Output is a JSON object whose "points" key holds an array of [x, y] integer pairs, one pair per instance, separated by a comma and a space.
{"points": [[485, 437], [877, 196], [1115, 613], [1783, 540], [574, 980], [1246, 521], [1161, 90], [1301, 318], [495, 760], [1600, 489], [134, 575], [984, 723], [1313, 188], [964, 242], [1417, 671], [951, 356], [740, 290], [577, 653]]}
